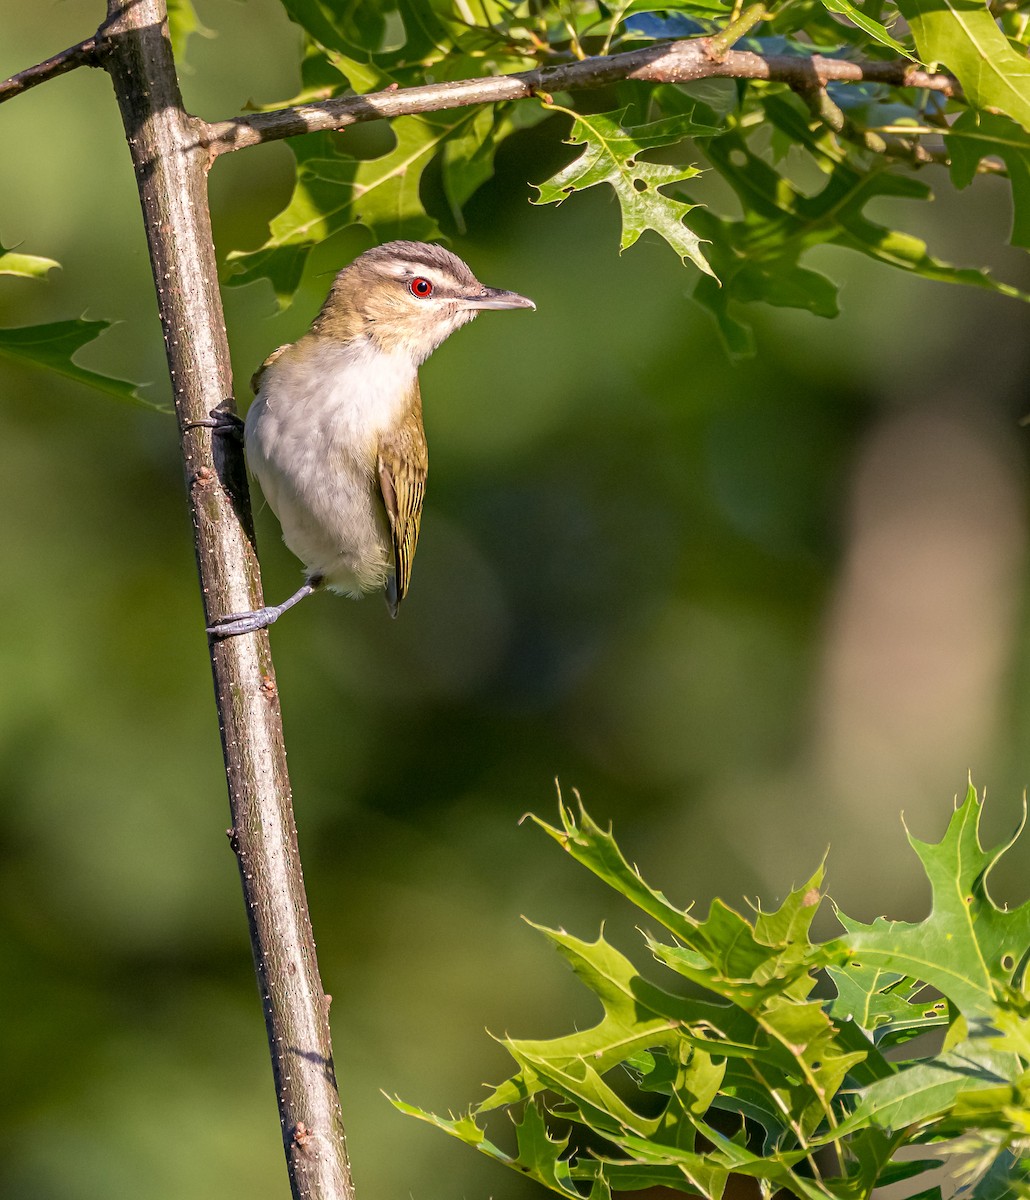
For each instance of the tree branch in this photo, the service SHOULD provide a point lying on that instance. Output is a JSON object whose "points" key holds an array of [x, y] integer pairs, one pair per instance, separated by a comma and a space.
{"points": [[85, 54], [170, 172], [669, 62]]}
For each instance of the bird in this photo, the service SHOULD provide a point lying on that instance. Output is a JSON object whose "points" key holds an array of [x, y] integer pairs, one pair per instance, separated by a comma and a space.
{"points": [[334, 435]]}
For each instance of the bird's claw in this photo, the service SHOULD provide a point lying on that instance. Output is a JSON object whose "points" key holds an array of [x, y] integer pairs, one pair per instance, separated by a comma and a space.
{"points": [[221, 423], [236, 623]]}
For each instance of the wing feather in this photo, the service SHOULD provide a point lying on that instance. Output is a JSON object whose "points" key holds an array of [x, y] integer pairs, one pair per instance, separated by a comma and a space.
{"points": [[403, 464]]}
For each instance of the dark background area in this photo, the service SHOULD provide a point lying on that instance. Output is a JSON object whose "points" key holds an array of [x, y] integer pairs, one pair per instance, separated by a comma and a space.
{"points": [[749, 611]]}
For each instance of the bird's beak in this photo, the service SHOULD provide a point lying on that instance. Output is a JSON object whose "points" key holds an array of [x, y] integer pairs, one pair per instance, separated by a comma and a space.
{"points": [[497, 298]]}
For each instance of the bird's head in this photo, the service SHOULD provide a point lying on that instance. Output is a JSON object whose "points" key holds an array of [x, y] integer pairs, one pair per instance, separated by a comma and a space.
{"points": [[407, 297]]}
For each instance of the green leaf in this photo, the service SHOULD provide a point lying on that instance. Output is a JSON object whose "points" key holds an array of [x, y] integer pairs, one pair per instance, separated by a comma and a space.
{"points": [[963, 36], [637, 1016], [883, 1003], [611, 157], [929, 1088], [596, 850], [799, 1074], [183, 23], [967, 948], [335, 190], [25, 266], [857, 17], [975, 135], [467, 156], [757, 257], [463, 1128], [356, 28], [54, 346]]}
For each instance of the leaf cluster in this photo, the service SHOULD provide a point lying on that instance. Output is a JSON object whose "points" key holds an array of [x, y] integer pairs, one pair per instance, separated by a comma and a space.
{"points": [[816, 1069], [803, 164], [798, 164]]}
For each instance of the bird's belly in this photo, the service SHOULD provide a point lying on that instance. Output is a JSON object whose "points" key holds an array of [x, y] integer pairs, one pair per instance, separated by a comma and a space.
{"points": [[325, 493], [337, 528]]}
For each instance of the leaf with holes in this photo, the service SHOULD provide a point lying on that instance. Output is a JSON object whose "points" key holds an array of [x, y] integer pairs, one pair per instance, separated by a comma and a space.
{"points": [[611, 156], [969, 949]]}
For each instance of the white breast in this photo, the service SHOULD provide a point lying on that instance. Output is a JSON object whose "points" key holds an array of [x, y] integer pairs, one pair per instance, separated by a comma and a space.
{"points": [[312, 434]]}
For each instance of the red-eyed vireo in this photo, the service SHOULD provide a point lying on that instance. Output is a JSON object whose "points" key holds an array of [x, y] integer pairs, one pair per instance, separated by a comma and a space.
{"points": [[335, 435]]}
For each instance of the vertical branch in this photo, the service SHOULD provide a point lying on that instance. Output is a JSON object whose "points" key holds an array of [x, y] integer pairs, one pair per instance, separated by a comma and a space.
{"points": [[170, 167]]}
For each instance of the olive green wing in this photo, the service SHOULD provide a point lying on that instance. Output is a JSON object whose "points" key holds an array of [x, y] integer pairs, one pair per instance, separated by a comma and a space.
{"points": [[403, 463], [255, 381]]}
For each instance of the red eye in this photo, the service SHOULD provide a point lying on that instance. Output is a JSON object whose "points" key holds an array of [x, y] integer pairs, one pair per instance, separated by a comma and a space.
{"points": [[420, 287]]}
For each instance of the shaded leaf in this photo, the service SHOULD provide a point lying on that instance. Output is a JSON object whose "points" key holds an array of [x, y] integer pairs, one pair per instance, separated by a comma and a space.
{"points": [[54, 346], [467, 156], [183, 23], [875, 29], [335, 190], [974, 136], [757, 257]]}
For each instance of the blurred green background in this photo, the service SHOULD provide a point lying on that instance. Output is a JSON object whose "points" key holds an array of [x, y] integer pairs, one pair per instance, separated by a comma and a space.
{"points": [[748, 611]]}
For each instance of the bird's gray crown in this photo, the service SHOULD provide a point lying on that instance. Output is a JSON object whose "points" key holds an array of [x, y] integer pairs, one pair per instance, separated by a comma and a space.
{"points": [[409, 258]]}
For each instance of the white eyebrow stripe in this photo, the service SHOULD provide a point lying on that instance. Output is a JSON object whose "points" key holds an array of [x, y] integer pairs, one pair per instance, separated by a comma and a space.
{"points": [[405, 269]]}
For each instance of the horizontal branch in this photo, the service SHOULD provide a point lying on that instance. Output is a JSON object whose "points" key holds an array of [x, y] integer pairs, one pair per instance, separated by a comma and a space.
{"points": [[85, 54], [669, 62]]}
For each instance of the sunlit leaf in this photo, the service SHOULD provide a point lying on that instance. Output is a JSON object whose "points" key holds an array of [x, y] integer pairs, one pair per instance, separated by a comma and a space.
{"points": [[750, 1045], [963, 36], [611, 156], [929, 1088], [25, 266], [967, 948]]}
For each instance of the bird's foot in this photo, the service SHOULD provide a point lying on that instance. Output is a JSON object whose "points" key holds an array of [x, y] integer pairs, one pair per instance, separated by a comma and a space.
{"points": [[250, 622], [222, 424]]}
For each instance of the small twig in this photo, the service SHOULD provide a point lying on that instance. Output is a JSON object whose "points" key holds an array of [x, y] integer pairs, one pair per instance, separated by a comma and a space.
{"points": [[85, 54], [669, 62], [720, 44]]}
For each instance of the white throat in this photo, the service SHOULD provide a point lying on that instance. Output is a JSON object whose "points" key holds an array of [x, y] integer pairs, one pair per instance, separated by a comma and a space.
{"points": [[355, 386]]}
